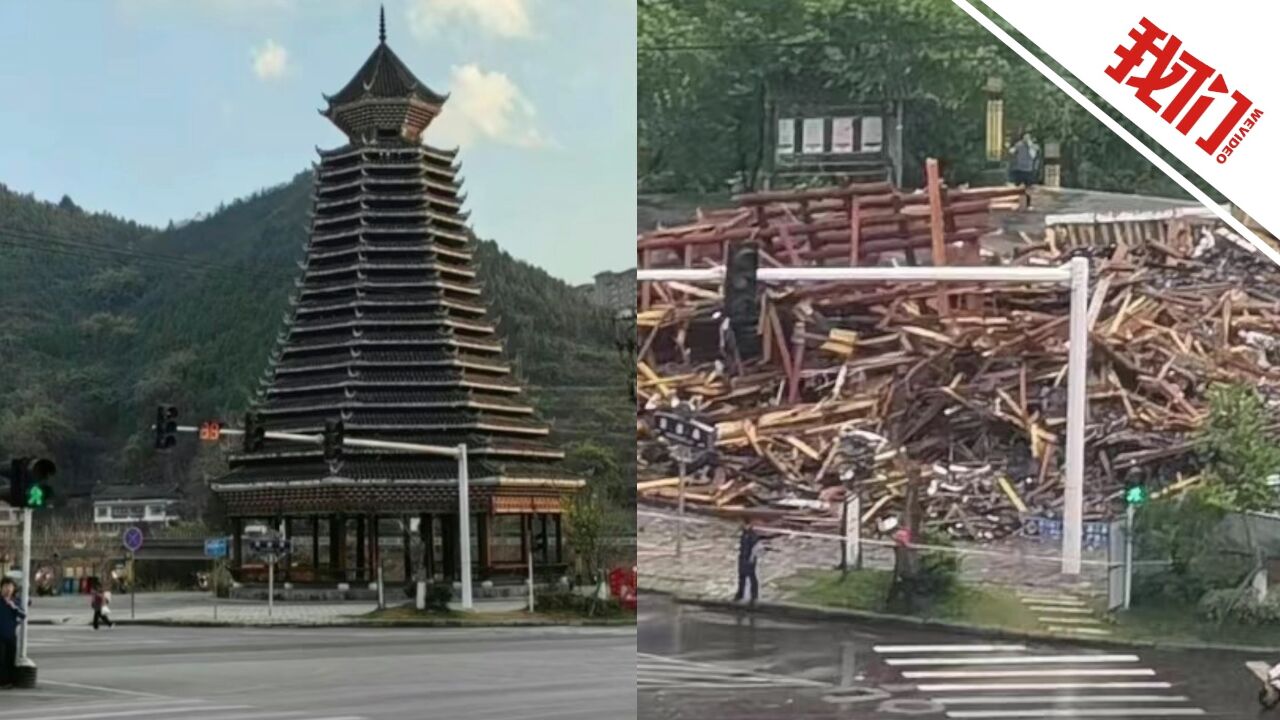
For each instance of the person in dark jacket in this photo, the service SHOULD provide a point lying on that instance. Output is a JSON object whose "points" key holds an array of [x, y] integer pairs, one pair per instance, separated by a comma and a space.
{"points": [[100, 601], [749, 548], [11, 616]]}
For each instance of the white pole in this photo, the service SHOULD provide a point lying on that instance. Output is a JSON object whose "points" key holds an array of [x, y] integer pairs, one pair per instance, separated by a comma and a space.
{"points": [[213, 585], [680, 512], [1128, 555], [271, 583], [1077, 378], [464, 524], [531, 566], [27, 585], [382, 602]]}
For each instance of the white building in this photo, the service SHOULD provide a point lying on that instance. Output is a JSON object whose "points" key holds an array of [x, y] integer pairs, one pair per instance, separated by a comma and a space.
{"points": [[119, 506]]}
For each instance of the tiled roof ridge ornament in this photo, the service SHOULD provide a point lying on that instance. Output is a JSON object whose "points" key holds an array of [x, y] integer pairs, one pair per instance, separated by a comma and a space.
{"points": [[382, 24]]}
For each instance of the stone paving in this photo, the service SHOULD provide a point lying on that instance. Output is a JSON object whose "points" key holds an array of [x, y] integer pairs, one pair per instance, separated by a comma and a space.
{"points": [[708, 564]]}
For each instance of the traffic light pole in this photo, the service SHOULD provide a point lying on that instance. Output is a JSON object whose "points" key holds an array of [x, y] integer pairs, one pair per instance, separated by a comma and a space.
{"points": [[27, 586], [458, 452], [1074, 274]]}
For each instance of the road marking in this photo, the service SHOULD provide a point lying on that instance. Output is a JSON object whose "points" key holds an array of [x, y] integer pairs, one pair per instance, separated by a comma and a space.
{"points": [[1068, 602], [1015, 660], [99, 688], [980, 687], [1090, 712], [1076, 629], [1082, 672], [89, 701], [144, 711], [1057, 699], [947, 648], [657, 671], [1071, 620], [1060, 609]]}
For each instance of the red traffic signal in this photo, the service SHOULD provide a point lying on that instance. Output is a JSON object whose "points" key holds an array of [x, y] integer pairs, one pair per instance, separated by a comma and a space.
{"points": [[211, 431]]}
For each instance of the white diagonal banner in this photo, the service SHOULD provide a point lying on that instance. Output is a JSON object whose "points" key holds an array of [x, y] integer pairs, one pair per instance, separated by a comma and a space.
{"points": [[1198, 87]]}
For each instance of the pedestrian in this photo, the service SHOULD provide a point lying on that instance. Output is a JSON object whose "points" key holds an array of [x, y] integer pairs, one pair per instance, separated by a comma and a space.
{"points": [[100, 601], [11, 616], [749, 548], [1024, 157]]}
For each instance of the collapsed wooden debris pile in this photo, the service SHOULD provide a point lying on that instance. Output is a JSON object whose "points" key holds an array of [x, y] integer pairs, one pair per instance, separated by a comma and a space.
{"points": [[966, 381]]}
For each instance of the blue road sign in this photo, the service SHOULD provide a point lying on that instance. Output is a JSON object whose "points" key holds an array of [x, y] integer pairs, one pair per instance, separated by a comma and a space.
{"points": [[133, 539], [215, 547]]}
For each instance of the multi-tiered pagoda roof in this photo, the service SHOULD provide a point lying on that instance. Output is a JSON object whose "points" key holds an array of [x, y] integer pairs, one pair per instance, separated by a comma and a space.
{"points": [[388, 330]]}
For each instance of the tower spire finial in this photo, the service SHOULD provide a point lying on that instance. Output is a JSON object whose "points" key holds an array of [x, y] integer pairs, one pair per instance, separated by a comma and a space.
{"points": [[382, 23]]}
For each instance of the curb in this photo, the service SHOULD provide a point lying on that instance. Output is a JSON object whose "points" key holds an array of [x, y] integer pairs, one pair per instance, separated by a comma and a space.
{"points": [[818, 612], [373, 624]]}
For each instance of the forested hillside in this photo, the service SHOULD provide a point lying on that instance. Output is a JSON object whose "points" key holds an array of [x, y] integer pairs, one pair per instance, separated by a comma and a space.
{"points": [[712, 72], [101, 319]]}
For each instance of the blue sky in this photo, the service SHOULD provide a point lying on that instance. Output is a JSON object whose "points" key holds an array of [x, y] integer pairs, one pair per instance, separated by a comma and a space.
{"points": [[161, 109]]}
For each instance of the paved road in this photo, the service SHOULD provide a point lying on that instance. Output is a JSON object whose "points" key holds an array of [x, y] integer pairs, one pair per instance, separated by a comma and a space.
{"points": [[696, 664], [151, 673]]}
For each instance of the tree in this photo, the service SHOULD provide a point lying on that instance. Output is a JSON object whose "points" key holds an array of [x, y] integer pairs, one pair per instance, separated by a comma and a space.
{"points": [[712, 72], [594, 530], [1239, 453]]}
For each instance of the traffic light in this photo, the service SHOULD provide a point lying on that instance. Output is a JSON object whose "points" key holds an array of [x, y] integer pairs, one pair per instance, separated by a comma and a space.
{"points": [[1135, 489], [166, 426], [333, 432], [211, 430], [255, 435], [29, 482], [741, 303]]}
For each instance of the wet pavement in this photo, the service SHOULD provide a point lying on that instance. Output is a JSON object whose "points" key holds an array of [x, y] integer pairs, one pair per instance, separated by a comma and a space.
{"points": [[696, 664]]}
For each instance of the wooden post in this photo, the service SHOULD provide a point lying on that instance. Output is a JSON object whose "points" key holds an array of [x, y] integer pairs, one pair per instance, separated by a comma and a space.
{"points": [[360, 550], [483, 538], [855, 232], [315, 548], [937, 229], [797, 345], [426, 528]]}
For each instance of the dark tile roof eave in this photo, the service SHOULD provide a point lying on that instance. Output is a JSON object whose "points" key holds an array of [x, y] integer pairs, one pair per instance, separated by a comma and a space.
{"points": [[386, 73]]}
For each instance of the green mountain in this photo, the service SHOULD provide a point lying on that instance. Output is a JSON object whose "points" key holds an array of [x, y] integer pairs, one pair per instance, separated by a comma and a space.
{"points": [[102, 318]]}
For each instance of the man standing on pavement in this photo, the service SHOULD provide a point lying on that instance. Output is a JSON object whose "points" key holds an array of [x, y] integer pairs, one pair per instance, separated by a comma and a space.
{"points": [[749, 548], [1024, 155], [11, 616]]}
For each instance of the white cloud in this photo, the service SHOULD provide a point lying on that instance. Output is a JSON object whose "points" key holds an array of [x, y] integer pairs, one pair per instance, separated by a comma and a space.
{"points": [[270, 61], [504, 18], [485, 106]]}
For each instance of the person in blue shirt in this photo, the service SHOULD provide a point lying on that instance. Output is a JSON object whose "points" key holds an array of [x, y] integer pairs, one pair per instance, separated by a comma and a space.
{"points": [[11, 616]]}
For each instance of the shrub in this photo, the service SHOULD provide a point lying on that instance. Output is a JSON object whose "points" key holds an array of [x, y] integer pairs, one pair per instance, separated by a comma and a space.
{"points": [[564, 601], [1239, 606], [939, 569], [438, 596]]}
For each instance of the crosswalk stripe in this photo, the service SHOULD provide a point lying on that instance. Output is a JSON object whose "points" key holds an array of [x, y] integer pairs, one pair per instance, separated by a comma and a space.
{"points": [[1070, 620], [884, 649], [1064, 609], [1080, 672], [1069, 602], [1078, 629], [1008, 687], [1057, 699], [1015, 660], [1078, 713]]}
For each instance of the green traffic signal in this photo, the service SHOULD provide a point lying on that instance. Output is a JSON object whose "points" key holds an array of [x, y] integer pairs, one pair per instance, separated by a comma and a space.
{"points": [[35, 496], [1135, 495]]}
